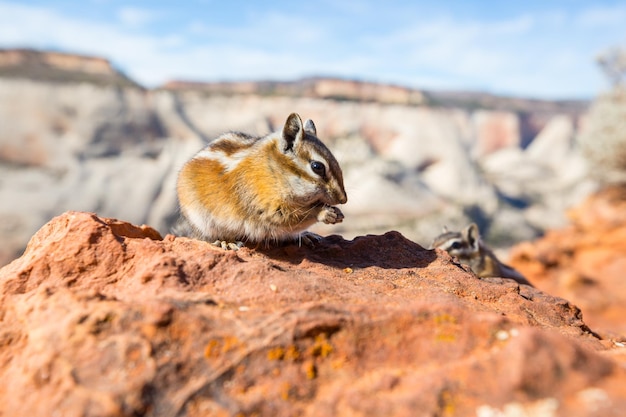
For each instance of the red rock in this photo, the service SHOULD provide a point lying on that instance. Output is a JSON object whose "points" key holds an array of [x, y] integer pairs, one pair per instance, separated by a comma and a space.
{"points": [[495, 130], [103, 318], [585, 262]]}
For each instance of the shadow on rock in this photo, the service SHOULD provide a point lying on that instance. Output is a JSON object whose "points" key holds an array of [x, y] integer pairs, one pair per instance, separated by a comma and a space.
{"points": [[389, 251]]}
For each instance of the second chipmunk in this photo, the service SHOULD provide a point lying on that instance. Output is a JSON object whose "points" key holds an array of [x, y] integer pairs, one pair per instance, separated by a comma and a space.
{"points": [[467, 246], [245, 189]]}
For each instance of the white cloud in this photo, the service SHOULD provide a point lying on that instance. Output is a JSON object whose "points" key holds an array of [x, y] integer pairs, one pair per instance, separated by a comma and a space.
{"points": [[468, 49], [274, 30], [40, 27], [136, 17], [602, 16], [518, 26], [519, 54]]}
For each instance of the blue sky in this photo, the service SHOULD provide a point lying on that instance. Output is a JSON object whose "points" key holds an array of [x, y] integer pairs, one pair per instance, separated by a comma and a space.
{"points": [[529, 48]]}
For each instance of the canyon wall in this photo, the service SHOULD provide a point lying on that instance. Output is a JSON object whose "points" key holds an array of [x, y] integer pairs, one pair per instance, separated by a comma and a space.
{"points": [[116, 150]]}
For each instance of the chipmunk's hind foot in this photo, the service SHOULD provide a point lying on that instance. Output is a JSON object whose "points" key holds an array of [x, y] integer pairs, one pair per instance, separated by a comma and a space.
{"points": [[309, 239], [228, 245]]}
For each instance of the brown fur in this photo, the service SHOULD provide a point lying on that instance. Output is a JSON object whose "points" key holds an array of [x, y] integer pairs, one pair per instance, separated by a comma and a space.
{"points": [[229, 147], [241, 188]]}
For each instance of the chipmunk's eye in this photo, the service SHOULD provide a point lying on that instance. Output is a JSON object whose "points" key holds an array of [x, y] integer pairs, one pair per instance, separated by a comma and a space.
{"points": [[318, 168], [456, 245]]}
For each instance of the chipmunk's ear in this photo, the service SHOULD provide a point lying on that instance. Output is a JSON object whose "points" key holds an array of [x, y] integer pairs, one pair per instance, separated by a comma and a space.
{"points": [[309, 127], [292, 132], [472, 235]]}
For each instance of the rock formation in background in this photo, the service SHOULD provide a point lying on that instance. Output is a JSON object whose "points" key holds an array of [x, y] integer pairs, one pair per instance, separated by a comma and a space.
{"points": [[50, 66], [75, 134]]}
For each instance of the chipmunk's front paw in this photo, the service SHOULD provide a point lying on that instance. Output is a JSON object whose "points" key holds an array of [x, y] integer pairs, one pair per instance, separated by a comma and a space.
{"points": [[330, 215]]}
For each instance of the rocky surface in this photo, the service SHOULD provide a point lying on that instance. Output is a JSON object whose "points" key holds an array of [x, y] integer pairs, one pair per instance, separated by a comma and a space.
{"points": [[585, 262], [103, 318]]}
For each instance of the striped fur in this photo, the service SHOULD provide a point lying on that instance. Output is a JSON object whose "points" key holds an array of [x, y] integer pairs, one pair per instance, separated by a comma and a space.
{"points": [[468, 247], [244, 188]]}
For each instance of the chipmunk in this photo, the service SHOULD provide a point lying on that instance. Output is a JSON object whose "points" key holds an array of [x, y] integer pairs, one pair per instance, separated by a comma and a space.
{"points": [[244, 189], [468, 247]]}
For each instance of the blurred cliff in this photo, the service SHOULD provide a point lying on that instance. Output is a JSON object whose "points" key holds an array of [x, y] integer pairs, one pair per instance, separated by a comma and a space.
{"points": [[76, 134]]}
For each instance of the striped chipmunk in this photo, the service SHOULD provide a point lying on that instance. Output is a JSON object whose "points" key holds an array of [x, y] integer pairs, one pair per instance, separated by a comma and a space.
{"points": [[468, 247], [242, 189]]}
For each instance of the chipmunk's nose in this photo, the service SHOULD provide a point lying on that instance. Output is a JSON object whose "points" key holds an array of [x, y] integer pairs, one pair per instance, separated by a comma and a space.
{"points": [[341, 197], [336, 192], [335, 196]]}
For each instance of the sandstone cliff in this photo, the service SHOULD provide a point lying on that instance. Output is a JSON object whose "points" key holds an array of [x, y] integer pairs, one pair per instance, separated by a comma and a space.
{"points": [[103, 318], [329, 88], [57, 67]]}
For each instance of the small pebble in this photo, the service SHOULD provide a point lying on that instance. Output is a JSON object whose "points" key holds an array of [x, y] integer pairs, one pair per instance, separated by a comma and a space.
{"points": [[502, 335]]}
